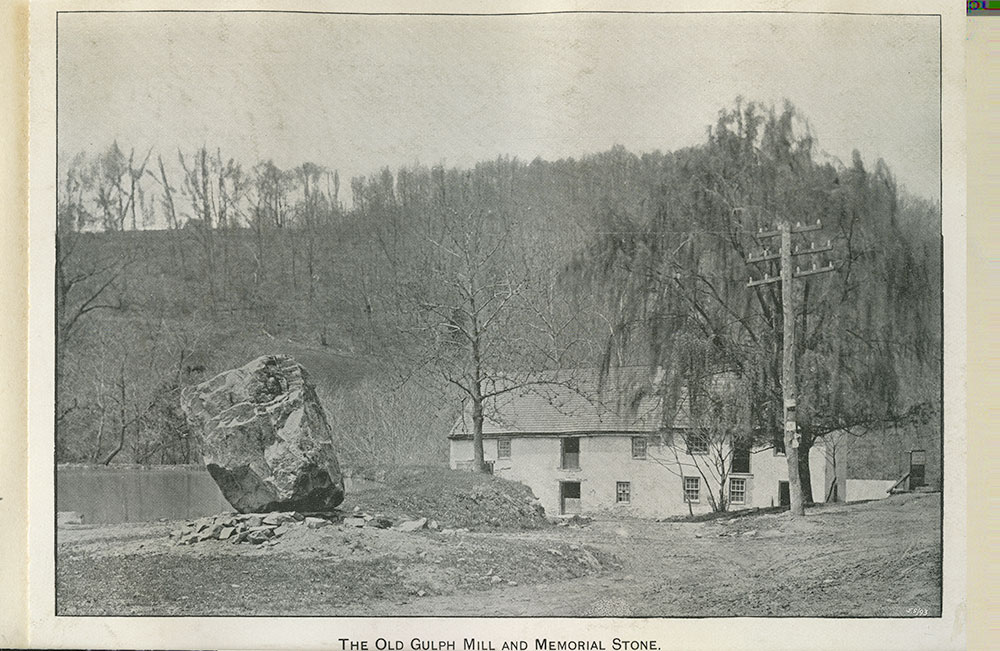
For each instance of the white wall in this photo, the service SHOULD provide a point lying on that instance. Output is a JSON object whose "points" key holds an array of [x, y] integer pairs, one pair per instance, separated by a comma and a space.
{"points": [[656, 484], [769, 468], [868, 489]]}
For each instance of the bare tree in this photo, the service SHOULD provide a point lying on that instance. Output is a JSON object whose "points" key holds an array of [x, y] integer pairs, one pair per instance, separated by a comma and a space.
{"points": [[118, 186], [88, 277], [132, 374], [216, 189], [463, 317], [385, 428], [714, 437]]}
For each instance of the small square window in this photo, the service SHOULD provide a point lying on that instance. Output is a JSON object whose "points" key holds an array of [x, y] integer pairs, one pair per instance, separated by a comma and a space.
{"points": [[696, 443], [623, 492], [503, 448], [737, 490], [638, 447], [692, 489]]}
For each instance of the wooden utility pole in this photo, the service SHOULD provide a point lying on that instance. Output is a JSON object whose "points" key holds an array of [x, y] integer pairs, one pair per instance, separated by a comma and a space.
{"points": [[789, 391]]}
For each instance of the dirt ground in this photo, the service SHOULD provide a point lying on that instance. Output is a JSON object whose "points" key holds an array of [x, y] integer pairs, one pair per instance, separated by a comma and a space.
{"points": [[878, 559]]}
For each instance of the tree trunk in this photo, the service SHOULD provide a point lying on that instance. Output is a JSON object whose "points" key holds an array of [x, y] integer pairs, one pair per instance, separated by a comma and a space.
{"points": [[118, 448], [122, 415], [478, 456], [805, 445], [792, 457], [100, 436]]}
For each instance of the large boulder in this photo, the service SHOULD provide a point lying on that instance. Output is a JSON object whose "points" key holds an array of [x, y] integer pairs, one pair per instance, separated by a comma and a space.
{"points": [[265, 437]]}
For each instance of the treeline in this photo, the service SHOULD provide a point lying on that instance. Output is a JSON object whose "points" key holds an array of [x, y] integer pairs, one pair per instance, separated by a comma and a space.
{"points": [[442, 285]]}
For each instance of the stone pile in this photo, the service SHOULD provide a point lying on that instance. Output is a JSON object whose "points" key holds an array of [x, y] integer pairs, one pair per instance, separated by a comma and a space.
{"points": [[360, 518], [266, 528], [253, 528]]}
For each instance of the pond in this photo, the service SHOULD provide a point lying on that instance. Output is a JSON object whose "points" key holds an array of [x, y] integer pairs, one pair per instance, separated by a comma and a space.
{"points": [[108, 495], [112, 495]]}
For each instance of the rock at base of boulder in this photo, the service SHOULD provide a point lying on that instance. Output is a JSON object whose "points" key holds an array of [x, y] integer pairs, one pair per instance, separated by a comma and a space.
{"points": [[266, 439], [412, 525]]}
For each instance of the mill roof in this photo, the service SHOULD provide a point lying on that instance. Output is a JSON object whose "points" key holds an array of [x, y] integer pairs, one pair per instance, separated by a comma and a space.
{"points": [[566, 402]]}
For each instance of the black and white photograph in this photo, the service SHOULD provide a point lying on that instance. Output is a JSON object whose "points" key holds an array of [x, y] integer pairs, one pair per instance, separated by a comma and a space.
{"points": [[613, 315]]}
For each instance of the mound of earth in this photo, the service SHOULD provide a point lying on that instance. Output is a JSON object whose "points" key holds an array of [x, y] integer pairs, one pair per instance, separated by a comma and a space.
{"points": [[452, 498]]}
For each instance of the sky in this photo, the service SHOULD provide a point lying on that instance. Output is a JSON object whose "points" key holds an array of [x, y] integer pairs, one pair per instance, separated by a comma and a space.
{"points": [[358, 93]]}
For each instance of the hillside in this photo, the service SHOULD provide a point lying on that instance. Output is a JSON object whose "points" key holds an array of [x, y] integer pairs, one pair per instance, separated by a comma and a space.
{"points": [[438, 282]]}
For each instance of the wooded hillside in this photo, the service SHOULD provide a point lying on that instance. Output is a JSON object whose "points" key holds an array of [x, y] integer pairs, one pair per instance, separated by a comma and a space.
{"points": [[434, 286]]}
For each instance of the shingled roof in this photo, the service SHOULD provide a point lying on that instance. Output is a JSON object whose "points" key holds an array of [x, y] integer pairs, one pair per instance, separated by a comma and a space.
{"points": [[573, 402]]}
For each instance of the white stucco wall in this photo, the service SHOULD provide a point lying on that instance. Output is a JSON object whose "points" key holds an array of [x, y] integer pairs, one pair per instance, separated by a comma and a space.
{"points": [[769, 468], [868, 489], [656, 483]]}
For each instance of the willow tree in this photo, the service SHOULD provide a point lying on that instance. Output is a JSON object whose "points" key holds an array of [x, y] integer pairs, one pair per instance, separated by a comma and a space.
{"points": [[672, 270]]}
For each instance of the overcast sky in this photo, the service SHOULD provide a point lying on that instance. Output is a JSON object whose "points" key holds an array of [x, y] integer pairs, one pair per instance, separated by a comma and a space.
{"points": [[356, 93]]}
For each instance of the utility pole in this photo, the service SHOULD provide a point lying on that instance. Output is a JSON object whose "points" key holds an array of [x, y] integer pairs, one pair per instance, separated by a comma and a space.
{"points": [[789, 391]]}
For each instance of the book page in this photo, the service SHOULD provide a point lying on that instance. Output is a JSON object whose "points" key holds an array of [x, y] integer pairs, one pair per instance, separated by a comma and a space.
{"points": [[535, 241]]}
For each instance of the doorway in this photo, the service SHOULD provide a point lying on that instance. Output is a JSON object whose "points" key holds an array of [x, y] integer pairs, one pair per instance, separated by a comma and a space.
{"points": [[784, 497], [918, 469], [569, 497]]}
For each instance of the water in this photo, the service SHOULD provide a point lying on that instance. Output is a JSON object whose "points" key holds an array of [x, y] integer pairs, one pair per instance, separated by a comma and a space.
{"points": [[112, 495]]}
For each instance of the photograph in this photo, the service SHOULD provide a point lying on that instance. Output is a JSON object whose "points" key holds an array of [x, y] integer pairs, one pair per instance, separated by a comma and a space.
{"points": [[524, 314]]}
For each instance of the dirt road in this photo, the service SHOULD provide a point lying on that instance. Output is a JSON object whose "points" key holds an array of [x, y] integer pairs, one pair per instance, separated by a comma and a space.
{"points": [[874, 559], [878, 559]]}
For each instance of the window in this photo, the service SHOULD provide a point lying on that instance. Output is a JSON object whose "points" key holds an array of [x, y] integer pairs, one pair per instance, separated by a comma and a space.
{"points": [[696, 443], [503, 449], [571, 453], [737, 490], [638, 447], [692, 489], [623, 492], [741, 457]]}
